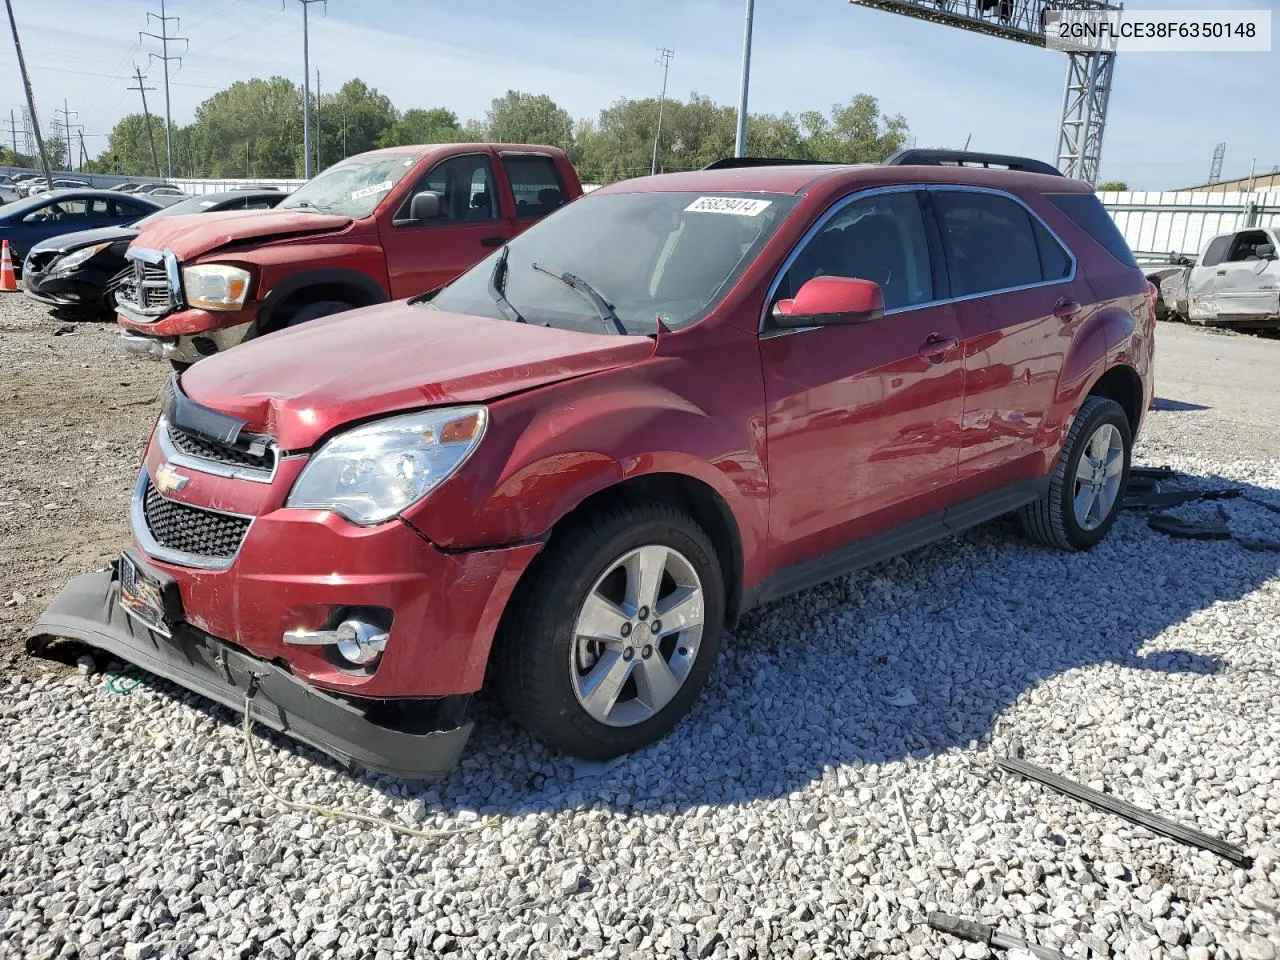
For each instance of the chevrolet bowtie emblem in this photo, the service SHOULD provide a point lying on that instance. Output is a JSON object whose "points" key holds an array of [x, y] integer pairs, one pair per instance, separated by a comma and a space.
{"points": [[167, 479]]}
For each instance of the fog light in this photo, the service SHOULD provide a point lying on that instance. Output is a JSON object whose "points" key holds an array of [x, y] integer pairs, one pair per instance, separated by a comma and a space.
{"points": [[360, 642]]}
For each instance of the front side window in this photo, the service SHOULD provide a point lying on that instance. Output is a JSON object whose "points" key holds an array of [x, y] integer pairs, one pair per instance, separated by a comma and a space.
{"points": [[353, 187], [536, 183], [880, 238], [988, 240], [69, 209], [465, 186], [649, 255], [1246, 244]]}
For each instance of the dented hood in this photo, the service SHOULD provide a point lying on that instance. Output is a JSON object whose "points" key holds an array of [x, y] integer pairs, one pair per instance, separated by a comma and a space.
{"points": [[300, 384], [192, 234]]}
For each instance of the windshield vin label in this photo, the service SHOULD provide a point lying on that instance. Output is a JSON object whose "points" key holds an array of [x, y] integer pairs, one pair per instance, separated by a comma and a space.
{"points": [[734, 205]]}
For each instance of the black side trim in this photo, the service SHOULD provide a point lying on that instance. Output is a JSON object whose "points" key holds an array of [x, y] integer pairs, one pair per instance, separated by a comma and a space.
{"points": [[909, 536], [185, 413], [369, 289], [733, 163], [88, 610], [937, 158]]}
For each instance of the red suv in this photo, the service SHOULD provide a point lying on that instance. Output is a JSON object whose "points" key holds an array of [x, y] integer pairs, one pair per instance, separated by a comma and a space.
{"points": [[673, 400], [378, 226]]}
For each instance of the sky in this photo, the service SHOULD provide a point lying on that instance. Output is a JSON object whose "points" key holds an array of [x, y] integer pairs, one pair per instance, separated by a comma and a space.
{"points": [[1167, 110]]}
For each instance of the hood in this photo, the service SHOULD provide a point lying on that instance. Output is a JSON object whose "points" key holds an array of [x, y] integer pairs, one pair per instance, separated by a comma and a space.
{"points": [[85, 238], [192, 234], [300, 384]]}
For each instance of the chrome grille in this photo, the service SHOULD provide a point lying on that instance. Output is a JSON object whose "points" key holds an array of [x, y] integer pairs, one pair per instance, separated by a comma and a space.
{"points": [[202, 448], [144, 288], [192, 530]]}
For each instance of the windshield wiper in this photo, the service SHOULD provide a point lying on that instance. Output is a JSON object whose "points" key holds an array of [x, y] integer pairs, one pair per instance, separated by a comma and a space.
{"points": [[498, 286], [603, 307]]}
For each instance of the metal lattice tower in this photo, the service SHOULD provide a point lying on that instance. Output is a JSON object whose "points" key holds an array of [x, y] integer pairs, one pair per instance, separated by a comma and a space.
{"points": [[1088, 87], [28, 140], [1215, 169]]}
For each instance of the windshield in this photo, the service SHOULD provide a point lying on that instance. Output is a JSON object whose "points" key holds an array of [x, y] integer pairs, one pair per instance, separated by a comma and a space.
{"points": [[190, 205], [354, 187], [671, 255]]}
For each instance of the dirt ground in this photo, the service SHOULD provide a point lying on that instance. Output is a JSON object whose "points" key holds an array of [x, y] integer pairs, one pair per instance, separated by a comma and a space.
{"points": [[75, 413]]}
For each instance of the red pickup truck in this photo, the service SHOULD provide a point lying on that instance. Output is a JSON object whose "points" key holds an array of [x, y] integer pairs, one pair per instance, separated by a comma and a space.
{"points": [[382, 225]]}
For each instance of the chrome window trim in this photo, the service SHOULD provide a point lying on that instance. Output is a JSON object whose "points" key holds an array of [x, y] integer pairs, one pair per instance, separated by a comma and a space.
{"points": [[201, 465], [138, 520], [840, 204]]}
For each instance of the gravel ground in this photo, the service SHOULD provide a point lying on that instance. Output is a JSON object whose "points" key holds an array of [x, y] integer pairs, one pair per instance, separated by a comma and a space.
{"points": [[769, 824]]}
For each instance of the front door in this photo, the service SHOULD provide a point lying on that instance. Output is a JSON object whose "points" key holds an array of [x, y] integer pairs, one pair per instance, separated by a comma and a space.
{"points": [[471, 225], [1248, 280], [862, 420], [1202, 283]]}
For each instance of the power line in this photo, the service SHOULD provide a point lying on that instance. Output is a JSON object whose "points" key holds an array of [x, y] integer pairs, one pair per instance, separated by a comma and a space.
{"points": [[664, 57], [165, 57]]}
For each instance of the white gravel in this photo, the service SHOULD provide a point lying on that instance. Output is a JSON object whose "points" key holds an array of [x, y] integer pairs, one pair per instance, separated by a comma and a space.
{"points": [[768, 824]]}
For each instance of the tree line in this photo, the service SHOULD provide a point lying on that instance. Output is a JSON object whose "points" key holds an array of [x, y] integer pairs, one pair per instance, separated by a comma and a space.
{"points": [[253, 129]]}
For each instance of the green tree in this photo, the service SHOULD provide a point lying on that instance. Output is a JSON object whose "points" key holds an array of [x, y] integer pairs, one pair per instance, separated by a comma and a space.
{"points": [[1113, 185], [129, 149], [251, 129], [362, 112], [855, 132], [528, 118], [437, 125]]}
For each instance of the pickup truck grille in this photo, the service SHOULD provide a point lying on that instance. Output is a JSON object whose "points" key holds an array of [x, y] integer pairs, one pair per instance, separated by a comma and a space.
{"points": [[193, 530], [145, 289], [203, 448]]}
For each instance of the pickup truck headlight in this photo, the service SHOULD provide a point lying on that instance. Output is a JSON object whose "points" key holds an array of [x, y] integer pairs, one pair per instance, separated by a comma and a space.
{"points": [[73, 260], [372, 473], [215, 286]]}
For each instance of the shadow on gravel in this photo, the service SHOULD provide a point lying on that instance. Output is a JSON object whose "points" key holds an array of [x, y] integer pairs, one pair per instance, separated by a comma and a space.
{"points": [[955, 632], [1178, 406]]}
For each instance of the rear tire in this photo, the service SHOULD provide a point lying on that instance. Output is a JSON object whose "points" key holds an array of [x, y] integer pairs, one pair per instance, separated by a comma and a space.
{"points": [[1086, 489], [545, 670]]}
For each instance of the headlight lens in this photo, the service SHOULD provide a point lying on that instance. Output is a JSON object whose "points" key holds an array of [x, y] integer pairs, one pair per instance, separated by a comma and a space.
{"points": [[372, 473], [73, 260], [215, 286]]}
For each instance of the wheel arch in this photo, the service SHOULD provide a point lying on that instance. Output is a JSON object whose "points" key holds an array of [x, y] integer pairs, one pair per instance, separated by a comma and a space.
{"points": [[298, 290], [1122, 384]]}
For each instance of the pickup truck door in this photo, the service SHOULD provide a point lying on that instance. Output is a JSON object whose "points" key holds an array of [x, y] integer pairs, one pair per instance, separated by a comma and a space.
{"points": [[1248, 281], [536, 186], [471, 224], [1202, 281]]}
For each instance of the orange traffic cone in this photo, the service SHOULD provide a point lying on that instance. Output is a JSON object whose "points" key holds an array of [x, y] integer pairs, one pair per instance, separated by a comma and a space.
{"points": [[7, 280]]}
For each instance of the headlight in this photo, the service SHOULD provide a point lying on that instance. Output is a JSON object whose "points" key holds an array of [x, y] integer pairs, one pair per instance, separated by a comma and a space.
{"points": [[73, 260], [215, 286], [373, 472]]}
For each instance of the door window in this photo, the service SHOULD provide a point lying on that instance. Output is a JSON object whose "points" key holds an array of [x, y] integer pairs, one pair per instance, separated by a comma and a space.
{"points": [[1217, 251], [465, 186], [880, 238], [536, 183], [1245, 246], [1055, 262], [67, 209], [989, 242]]}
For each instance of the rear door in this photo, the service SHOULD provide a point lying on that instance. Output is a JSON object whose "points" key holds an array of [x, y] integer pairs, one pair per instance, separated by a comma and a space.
{"points": [[1247, 282], [1202, 282], [536, 186], [471, 224], [1018, 303], [862, 420]]}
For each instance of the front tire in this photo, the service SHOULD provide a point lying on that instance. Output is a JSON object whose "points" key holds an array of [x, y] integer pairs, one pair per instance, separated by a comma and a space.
{"points": [[1087, 486], [610, 638], [313, 311]]}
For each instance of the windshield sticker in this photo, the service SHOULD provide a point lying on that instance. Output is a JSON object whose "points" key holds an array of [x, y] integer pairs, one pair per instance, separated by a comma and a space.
{"points": [[382, 187], [734, 205]]}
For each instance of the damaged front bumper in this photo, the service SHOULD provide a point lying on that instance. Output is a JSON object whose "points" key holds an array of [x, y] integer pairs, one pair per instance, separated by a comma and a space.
{"points": [[351, 730]]}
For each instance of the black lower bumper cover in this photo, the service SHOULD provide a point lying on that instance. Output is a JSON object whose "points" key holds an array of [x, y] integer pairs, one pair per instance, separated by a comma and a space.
{"points": [[88, 610]]}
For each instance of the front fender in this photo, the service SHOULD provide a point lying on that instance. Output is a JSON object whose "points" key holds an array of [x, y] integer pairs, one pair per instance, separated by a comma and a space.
{"points": [[548, 450]]}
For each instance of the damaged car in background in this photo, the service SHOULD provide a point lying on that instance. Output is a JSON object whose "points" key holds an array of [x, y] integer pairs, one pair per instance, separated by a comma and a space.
{"points": [[569, 470], [1234, 282]]}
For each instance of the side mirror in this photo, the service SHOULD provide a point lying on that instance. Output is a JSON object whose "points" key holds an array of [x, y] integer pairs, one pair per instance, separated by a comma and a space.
{"points": [[1265, 251], [825, 300], [423, 206]]}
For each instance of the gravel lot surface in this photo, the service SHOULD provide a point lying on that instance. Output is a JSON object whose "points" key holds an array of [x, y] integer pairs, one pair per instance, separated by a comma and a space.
{"points": [[768, 824]]}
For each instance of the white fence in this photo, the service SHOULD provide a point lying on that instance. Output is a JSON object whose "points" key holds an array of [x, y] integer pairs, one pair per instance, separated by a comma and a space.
{"points": [[1162, 226]]}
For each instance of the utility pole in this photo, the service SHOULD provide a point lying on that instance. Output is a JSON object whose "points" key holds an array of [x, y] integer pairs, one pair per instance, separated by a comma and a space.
{"points": [[306, 86], [664, 58], [146, 116], [740, 144], [31, 100], [13, 132], [165, 40], [319, 138], [66, 126], [84, 154]]}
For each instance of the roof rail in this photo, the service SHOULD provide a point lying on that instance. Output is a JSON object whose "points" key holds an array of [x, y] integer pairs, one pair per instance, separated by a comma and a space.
{"points": [[730, 163], [965, 158]]}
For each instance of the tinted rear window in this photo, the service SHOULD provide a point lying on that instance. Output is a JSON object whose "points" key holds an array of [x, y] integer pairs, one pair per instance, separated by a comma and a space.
{"points": [[1091, 217]]}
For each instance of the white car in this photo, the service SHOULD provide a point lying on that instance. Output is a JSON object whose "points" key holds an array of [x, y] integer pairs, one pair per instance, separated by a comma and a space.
{"points": [[1236, 280], [8, 192]]}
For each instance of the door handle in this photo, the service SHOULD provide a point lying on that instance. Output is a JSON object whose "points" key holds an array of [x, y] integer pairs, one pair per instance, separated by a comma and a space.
{"points": [[1065, 309], [1222, 273], [493, 241], [936, 347]]}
